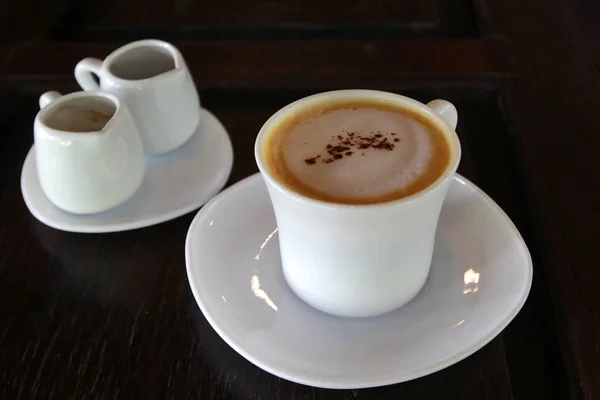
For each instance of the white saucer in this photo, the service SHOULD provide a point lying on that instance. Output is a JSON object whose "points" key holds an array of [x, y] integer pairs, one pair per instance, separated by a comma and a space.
{"points": [[175, 184], [479, 280]]}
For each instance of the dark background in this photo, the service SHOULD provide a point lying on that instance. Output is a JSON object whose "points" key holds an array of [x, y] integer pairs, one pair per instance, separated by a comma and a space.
{"points": [[111, 316]]}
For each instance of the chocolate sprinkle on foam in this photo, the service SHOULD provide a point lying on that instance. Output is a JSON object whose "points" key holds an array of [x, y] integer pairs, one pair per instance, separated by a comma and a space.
{"points": [[312, 160], [341, 145], [348, 142]]}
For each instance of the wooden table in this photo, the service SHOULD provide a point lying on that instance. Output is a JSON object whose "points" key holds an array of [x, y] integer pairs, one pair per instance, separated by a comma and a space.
{"points": [[111, 316]]}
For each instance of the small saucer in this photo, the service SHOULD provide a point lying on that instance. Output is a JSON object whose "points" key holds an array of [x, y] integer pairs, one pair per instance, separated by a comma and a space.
{"points": [[480, 277], [174, 184]]}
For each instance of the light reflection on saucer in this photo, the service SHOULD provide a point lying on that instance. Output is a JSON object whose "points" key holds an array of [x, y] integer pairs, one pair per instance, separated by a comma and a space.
{"points": [[262, 246], [471, 281], [459, 323], [261, 294]]}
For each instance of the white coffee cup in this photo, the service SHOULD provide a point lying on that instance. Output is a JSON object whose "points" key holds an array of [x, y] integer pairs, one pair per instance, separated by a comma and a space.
{"points": [[358, 260], [152, 78], [88, 152]]}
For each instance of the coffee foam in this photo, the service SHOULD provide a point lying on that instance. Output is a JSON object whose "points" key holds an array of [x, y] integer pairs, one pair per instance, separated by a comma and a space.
{"points": [[358, 153]]}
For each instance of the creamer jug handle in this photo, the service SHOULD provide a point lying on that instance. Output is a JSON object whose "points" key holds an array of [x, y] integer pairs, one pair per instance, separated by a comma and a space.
{"points": [[85, 71], [48, 98]]}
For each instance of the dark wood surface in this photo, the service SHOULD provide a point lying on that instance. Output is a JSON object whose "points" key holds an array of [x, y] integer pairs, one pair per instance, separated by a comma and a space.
{"points": [[556, 103], [586, 15], [271, 65], [112, 315], [277, 19]]}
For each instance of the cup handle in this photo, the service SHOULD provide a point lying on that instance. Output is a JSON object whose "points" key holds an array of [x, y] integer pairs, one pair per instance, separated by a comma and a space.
{"points": [[84, 71], [48, 97], [446, 110]]}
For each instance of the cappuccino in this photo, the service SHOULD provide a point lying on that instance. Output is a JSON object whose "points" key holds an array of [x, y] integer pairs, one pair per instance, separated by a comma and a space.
{"points": [[357, 151]]}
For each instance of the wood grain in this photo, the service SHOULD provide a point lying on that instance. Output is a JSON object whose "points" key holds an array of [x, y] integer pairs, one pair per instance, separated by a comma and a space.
{"points": [[28, 19], [586, 15], [297, 65], [279, 11], [555, 103], [275, 20]]}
